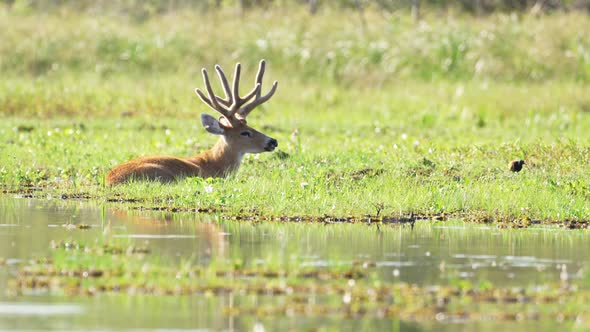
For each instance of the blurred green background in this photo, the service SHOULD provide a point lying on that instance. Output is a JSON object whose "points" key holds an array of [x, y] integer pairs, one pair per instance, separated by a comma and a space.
{"points": [[77, 46], [344, 42]]}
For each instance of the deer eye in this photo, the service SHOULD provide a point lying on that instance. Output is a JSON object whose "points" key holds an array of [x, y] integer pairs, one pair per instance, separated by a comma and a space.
{"points": [[246, 134]]}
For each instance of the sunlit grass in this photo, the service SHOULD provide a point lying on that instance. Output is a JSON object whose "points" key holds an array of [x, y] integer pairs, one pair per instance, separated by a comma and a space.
{"points": [[427, 148]]}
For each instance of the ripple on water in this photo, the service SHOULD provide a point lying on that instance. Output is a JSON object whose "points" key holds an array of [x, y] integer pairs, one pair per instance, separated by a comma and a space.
{"points": [[531, 261], [39, 309], [156, 236]]}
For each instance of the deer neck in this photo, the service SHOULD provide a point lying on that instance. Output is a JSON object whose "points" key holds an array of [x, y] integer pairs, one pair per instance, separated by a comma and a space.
{"points": [[219, 161]]}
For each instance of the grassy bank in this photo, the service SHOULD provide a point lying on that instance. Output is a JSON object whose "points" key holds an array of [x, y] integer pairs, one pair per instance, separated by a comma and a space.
{"points": [[420, 148], [388, 119]]}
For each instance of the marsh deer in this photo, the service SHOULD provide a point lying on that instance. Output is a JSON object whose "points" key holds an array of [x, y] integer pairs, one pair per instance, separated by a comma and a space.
{"points": [[236, 137]]}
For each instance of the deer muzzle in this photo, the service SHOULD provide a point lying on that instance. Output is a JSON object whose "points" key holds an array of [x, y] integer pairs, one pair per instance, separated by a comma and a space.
{"points": [[271, 145]]}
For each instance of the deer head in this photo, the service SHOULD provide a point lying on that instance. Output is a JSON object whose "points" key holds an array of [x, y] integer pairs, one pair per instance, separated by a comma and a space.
{"points": [[232, 125]]}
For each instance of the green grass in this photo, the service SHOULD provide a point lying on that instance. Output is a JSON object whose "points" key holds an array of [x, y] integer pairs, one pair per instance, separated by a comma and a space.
{"points": [[412, 118]]}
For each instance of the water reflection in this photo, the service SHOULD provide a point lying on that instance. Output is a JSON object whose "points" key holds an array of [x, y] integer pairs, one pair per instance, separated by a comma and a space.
{"points": [[423, 255], [39, 309], [179, 235], [428, 254]]}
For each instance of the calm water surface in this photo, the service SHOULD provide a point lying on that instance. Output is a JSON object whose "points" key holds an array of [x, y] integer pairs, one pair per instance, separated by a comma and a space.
{"points": [[428, 254]]}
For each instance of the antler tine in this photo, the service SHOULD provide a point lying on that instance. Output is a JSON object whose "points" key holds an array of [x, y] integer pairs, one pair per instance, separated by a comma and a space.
{"points": [[228, 95], [254, 92], [239, 101], [203, 97], [259, 99], [259, 75], [212, 100], [236, 90]]}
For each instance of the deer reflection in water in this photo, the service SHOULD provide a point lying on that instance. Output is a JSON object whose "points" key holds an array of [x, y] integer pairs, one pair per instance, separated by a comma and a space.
{"points": [[203, 238]]}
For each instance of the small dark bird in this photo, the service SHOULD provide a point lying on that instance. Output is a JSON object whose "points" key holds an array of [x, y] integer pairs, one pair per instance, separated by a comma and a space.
{"points": [[516, 165]]}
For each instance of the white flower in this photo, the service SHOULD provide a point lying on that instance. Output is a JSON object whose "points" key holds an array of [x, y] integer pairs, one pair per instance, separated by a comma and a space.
{"points": [[262, 44], [347, 297], [209, 188]]}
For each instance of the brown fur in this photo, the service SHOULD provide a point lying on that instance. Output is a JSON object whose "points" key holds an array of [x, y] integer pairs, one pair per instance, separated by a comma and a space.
{"points": [[158, 168], [219, 161]]}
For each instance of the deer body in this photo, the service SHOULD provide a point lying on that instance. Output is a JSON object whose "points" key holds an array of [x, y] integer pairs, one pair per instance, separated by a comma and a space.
{"points": [[236, 138]]}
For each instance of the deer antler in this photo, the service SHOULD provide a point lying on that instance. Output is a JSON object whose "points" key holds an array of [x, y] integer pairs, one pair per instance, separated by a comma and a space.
{"points": [[259, 100], [233, 104]]}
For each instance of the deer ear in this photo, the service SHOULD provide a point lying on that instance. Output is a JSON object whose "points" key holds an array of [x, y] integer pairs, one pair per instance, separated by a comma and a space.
{"points": [[211, 124]]}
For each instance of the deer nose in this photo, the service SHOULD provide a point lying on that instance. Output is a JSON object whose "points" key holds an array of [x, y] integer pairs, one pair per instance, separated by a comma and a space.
{"points": [[272, 144]]}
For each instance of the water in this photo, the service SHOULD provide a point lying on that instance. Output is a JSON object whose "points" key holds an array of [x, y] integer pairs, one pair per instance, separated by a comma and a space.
{"points": [[428, 254]]}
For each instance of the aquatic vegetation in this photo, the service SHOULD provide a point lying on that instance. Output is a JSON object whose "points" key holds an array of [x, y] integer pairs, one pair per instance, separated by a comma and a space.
{"points": [[426, 272], [348, 289]]}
